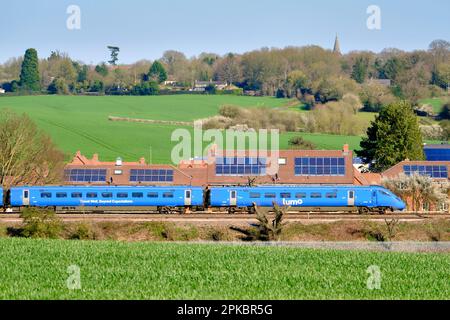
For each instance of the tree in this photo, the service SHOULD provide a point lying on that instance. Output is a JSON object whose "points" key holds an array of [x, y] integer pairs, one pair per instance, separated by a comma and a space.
{"points": [[375, 96], [360, 69], [114, 55], [417, 190], [175, 61], [82, 73], [102, 69], [27, 155], [58, 86], [393, 136], [29, 76], [445, 113], [146, 88], [228, 69], [157, 72]]}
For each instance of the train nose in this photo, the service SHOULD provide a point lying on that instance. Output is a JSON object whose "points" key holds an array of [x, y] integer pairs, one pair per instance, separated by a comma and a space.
{"points": [[401, 205]]}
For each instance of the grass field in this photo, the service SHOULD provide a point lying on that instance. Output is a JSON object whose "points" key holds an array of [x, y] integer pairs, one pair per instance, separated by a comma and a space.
{"points": [[81, 123], [37, 269], [436, 103]]}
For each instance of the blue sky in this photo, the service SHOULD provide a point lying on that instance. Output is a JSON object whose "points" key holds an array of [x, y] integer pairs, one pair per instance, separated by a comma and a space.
{"points": [[144, 29]]}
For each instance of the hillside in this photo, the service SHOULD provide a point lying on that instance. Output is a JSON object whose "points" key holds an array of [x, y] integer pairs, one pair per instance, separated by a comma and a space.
{"points": [[81, 123]]}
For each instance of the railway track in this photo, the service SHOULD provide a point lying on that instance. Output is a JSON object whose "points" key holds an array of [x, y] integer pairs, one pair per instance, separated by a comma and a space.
{"points": [[208, 217]]}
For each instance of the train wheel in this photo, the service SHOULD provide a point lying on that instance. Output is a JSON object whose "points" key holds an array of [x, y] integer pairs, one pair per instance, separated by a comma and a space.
{"points": [[363, 210]]}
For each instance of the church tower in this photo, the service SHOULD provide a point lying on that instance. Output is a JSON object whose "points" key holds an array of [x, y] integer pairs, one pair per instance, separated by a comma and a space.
{"points": [[337, 46]]}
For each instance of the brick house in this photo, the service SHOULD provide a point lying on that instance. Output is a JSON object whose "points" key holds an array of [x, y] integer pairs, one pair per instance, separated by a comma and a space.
{"points": [[224, 168]]}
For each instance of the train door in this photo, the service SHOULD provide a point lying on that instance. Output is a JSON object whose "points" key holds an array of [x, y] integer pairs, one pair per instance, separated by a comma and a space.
{"points": [[351, 198], [374, 198], [26, 197], [233, 198], [187, 197]]}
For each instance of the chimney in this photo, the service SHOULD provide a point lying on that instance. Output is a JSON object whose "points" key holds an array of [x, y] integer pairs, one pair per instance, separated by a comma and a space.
{"points": [[142, 161], [346, 149], [95, 157]]}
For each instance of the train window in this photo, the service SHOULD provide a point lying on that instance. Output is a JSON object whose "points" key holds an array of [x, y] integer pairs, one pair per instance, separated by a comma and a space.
{"points": [[351, 194], [255, 195], [61, 195], [270, 195], [285, 195], [233, 194], [107, 194], [25, 194], [152, 195], [76, 195], [331, 195], [122, 195], [91, 195], [46, 195], [168, 195], [300, 195], [137, 195], [316, 195], [188, 194]]}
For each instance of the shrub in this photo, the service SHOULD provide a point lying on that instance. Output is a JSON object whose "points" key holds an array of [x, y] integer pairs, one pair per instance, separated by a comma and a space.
{"points": [[82, 232], [298, 142], [40, 223]]}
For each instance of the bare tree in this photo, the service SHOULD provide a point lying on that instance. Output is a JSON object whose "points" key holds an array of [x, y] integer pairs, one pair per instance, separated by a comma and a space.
{"points": [[420, 189], [27, 155]]}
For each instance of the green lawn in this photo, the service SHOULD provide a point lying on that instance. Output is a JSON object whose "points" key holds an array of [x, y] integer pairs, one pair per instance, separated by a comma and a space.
{"points": [[81, 123], [37, 269], [437, 103]]}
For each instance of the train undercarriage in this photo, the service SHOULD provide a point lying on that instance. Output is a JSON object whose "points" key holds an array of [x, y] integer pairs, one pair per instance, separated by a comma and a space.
{"points": [[168, 210]]}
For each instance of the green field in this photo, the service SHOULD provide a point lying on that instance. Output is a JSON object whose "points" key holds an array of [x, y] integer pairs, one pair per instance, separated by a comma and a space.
{"points": [[436, 103], [37, 269], [81, 123]]}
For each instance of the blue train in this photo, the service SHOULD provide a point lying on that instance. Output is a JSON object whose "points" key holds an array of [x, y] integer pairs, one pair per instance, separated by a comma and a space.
{"points": [[172, 199], [309, 198]]}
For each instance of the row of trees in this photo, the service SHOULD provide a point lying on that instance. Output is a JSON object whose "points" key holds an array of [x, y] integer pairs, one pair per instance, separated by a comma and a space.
{"points": [[58, 74], [309, 73]]}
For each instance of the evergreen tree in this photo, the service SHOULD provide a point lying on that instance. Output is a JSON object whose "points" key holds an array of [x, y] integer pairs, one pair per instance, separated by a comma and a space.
{"points": [[359, 72], [393, 136], [29, 75], [157, 72], [114, 55], [102, 69]]}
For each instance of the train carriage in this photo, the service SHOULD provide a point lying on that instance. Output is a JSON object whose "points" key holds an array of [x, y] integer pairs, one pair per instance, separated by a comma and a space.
{"points": [[67, 198], [308, 198], [1, 197]]}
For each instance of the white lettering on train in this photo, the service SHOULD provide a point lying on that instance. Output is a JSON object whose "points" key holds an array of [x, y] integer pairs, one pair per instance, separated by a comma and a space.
{"points": [[298, 202]]}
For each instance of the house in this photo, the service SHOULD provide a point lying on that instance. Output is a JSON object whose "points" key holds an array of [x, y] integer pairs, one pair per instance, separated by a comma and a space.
{"points": [[383, 82], [201, 85]]}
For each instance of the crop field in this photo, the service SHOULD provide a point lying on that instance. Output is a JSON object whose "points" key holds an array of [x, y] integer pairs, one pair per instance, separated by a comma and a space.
{"points": [[81, 123], [436, 103], [38, 269]]}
